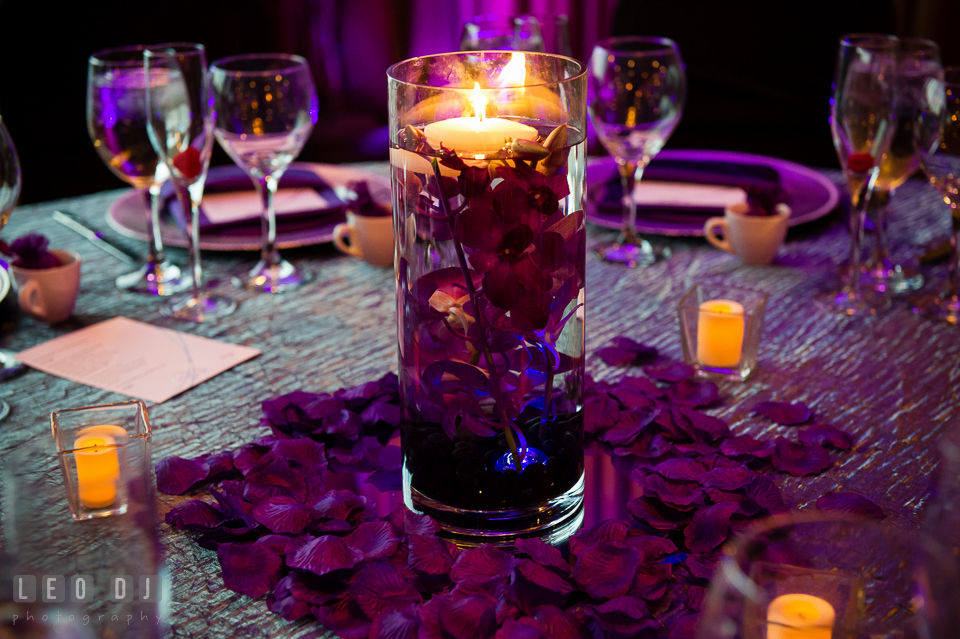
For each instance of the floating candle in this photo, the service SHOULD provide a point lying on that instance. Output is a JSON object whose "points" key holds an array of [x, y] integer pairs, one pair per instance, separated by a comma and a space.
{"points": [[720, 328], [797, 616], [98, 468], [476, 136]]}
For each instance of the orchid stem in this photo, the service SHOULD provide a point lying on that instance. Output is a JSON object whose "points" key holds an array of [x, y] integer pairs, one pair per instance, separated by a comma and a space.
{"points": [[481, 329]]}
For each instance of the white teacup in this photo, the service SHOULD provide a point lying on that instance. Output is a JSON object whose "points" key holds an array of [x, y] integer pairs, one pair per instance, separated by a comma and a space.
{"points": [[49, 294], [367, 237], [754, 239]]}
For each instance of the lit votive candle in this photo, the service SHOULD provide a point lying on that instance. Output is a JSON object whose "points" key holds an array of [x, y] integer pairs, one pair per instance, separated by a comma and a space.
{"points": [[98, 468], [797, 616], [720, 329]]}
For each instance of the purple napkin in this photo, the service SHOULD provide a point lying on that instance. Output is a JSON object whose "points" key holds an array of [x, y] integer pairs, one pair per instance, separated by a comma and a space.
{"points": [[225, 179], [762, 179]]}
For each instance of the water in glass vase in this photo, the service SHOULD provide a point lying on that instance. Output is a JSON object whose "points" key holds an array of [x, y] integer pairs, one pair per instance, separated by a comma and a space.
{"points": [[490, 275]]}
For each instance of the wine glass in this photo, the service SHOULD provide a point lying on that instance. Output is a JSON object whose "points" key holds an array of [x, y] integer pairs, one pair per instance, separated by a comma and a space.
{"points": [[117, 124], [862, 121], [180, 124], [637, 88], [938, 143], [919, 60], [502, 32], [266, 109], [9, 193]]}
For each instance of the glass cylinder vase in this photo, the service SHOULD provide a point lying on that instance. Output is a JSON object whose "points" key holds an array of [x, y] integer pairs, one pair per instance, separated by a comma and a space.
{"points": [[488, 155]]}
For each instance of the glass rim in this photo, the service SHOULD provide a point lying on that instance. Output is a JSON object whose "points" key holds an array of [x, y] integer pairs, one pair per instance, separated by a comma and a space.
{"points": [[764, 296], [104, 57], [580, 69], [137, 404], [175, 49], [295, 63], [871, 41], [615, 45]]}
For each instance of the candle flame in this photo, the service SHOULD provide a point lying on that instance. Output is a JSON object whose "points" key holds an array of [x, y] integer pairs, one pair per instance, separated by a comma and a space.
{"points": [[514, 74], [478, 100]]}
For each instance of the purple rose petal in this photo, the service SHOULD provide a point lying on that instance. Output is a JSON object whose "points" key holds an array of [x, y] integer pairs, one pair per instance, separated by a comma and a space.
{"points": [[523, 628], [282, 544], [763, 492], [629, 426], [381, 587], [709, 527], [248, 457], [727, 478], [606, 569], [799, 459], [303, 451], [406, 522], [705, 427], [851, 504], [219, 463], [651, 548], [340, 504], [746, 445], [429, 554], [375, 540], [676, 493], [702, 565], [616, 356], [176, 475], [344, 617], [688, 392], [680, 469], [825, 434], [558, 624], [784, 413], [669, 372], [284, 518], [542, 553], [630, 397], [626, 351], [651, 581], [622, 617], [482, 564], [383, 413], [600, 413], [399, 623], [685, 627], [194, 515], [656, 514], [325, 554], [250, 569], [607, 530], [534, 586], [473, 617]]}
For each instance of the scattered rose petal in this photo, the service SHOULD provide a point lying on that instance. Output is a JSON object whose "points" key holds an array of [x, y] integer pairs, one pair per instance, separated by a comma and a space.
{"points": [[680, 469], [626, 352], [709, 527], [763, 492], [784, 413], [669, 372], [825, 434], [727, 478], [176, 475], [606, 569], [430, 555], [398, 623], [325, 554], [542, 553], [283, 518], [250, 569], [799, 459], [851, 504], [374, 539], [746, 445], [656, 514], [194, 515], [482, 564], [381, 587], [688, 392], [600, 413]]}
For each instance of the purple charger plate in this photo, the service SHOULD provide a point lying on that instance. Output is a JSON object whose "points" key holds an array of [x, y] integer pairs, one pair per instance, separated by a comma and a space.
{"points": [[128, 216], [810, 194]]}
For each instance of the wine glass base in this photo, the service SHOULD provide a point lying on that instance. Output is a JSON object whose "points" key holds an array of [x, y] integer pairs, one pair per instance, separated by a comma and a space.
{"points": [[162, 279], [640, 253], [201, 309], [843, 302], [945, 308], [891, 279], [272, 278]]}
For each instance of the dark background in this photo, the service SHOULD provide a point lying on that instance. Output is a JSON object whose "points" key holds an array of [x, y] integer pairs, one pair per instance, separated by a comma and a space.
{"points": [[759, 71]]}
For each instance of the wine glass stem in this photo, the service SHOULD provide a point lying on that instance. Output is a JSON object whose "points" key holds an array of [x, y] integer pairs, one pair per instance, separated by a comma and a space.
{"points": [[186, 204], [878, 205], [151, 198], [861, 200], [267, 186], [630, 172]]}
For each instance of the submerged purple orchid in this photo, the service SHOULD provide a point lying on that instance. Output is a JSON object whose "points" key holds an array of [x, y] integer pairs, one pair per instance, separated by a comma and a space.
{"points": [[30, 251]]}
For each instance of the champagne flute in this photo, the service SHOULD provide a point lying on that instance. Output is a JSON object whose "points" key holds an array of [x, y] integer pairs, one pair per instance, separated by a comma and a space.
{"points": [[862, 121], [637, 89], [9, 193], [938, 143], [117, 124], [180, 124], [266, 109], [919, 60]]}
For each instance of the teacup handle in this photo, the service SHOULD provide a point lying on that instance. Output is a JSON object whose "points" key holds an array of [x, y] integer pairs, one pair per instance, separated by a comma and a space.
{"points": [[713, 223], [28, 298], [342, 232]]}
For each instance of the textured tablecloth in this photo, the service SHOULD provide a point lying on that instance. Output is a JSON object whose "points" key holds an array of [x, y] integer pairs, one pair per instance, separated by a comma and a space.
{"points": [[892, 381]]}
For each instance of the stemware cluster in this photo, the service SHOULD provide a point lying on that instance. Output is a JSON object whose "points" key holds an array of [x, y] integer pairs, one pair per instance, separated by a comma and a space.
{"points": [[153, 113]]}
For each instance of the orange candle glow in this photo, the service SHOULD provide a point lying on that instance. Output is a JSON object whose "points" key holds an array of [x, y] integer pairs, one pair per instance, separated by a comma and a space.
{"points": [[98, 468], [798, 616], [720, 328]]}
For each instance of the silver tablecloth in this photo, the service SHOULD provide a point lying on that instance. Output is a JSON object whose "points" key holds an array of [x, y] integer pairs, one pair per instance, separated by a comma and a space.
{"points": [[892, 381]]}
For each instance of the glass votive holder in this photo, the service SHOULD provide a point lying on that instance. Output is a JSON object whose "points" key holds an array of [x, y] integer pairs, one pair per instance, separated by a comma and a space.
{"points": [[720, 328], [104, 454]]}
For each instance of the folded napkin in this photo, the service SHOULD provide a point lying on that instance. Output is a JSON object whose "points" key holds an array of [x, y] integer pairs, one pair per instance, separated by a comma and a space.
{"points": [[231, 205], [661, 193]]}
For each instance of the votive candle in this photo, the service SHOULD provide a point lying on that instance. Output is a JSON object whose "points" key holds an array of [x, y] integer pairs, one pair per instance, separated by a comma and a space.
{"points": [[720, 327], [799, 616], [98, 467]]}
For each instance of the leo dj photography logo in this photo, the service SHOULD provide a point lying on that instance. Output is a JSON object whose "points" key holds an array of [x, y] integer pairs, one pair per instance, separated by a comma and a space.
{"points": [[55, 589]]}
